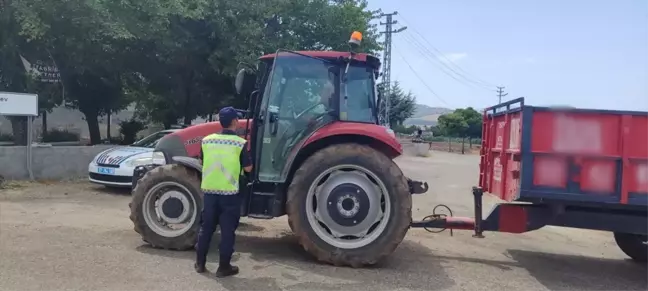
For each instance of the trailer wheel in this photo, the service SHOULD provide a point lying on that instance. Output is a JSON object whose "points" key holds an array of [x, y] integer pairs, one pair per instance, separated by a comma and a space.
{"points": [[165, 207], [633, 245], [349, 205]]}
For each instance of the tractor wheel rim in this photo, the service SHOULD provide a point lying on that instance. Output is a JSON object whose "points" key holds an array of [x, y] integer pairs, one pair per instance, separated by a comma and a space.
{"points": [[348, 206], [161, 212]]}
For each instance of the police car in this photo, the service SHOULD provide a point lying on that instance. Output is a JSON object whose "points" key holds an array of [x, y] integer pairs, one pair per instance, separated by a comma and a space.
{"points": [[114, 167]]}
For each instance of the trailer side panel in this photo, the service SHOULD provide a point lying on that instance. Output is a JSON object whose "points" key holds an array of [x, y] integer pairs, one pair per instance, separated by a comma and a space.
{"points": [[567, 155]]}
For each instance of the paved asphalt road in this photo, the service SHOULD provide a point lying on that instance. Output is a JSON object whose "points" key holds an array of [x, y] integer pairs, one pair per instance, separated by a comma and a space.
{"points": [[75, 236]]}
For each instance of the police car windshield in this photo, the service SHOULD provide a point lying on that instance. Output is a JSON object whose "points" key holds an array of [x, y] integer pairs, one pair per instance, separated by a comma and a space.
{"points": [[151, 140]]}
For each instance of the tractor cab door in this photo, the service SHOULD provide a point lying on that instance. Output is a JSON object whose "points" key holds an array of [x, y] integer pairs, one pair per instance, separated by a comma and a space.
{"points": [[300, 96]]}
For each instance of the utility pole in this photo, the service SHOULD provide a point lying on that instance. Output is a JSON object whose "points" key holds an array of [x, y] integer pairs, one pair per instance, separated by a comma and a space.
{"points": [[386, 77], [500, 93]]}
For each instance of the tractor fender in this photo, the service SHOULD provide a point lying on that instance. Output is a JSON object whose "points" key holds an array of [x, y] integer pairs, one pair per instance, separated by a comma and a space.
{"points": [[192, 163], [375, 136], [381, 138]]}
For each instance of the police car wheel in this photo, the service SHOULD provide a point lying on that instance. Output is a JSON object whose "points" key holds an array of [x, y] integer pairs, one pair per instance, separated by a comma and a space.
{"points": [[166, 205], [349, 205]]}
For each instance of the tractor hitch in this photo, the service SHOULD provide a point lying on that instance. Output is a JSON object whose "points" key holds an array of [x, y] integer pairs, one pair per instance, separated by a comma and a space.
{"points": [[417, 187], [438, 222]]}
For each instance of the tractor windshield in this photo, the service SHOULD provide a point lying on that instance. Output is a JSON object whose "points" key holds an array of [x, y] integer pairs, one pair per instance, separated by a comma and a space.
{"points": [[300, 83]]}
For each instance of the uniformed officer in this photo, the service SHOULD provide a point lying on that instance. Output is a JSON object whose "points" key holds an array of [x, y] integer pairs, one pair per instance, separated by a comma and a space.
{"points": [[223, 155]]}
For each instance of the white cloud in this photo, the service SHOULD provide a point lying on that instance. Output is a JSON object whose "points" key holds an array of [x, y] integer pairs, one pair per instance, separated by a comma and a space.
{"points": [[453, 57]]}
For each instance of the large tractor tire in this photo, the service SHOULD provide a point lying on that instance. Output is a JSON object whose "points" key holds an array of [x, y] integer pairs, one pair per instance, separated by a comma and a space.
{"points": [[349, 205], [165, 207], [633, 245]]}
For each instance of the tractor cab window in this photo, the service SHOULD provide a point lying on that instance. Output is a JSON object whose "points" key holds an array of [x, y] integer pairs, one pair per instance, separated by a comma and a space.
{"points": [[301, 96], [361, 99], [301, 86]]}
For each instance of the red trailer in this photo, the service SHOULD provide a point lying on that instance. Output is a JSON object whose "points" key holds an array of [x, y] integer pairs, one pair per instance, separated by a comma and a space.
{"points": [[579, 168]]}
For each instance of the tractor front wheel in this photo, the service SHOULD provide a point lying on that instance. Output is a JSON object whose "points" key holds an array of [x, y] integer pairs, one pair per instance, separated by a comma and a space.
{"points": [[165, 208], [349, 205]]}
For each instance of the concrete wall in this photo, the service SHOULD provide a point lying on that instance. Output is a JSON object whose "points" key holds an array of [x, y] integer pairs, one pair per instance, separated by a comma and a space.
{"points": [[61, 162]]}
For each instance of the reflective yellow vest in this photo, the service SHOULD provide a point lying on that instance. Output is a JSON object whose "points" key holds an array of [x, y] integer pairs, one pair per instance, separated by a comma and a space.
{"points": [[221, 164]]}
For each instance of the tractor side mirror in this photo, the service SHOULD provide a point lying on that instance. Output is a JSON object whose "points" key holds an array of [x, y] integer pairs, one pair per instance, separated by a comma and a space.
{"points": [[240, 79], [379, 101], [245, 82]]}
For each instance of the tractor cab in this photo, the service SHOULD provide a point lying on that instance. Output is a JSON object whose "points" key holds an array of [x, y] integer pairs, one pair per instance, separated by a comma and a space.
{"points": [[298, 93]]}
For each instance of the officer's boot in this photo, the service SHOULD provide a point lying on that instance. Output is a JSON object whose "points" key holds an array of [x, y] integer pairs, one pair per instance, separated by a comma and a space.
{"points": [[199, 265], [200, 268], [226, 270]]}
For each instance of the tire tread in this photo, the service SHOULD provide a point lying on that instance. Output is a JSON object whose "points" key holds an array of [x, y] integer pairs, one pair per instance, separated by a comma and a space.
{"points": [[338, 257]]}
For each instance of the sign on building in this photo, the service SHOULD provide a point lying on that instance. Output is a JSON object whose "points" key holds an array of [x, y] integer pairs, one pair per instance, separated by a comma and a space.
{"points": [[41, 71]]}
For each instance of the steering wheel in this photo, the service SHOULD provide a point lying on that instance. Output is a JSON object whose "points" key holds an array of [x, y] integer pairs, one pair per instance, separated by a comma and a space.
{"points": [[280, 151], [310, 108]]}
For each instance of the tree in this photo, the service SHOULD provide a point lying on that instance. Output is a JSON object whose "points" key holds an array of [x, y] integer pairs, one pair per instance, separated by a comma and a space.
{"points": [[191, 71], [461, 123], [405, 129], [402, 105], [473, 120], [13, 76], [176, 59], [100, 41]]}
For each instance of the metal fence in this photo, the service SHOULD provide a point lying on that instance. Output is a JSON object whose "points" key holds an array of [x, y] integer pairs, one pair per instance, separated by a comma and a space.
{"points": [[448, 144]]}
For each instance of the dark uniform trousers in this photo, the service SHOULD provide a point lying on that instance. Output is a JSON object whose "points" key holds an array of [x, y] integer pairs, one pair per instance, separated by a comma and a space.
{"points": [[223, 210]]}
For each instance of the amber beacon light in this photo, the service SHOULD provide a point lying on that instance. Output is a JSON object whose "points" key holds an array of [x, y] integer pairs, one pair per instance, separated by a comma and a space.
{"points": [[356, 38]]}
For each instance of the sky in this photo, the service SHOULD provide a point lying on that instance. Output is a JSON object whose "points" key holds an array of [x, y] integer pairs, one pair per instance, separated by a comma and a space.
{"points": [[581, 53]]}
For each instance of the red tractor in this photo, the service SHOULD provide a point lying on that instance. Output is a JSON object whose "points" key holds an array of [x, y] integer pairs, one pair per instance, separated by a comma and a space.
{"points": [[319, 154]]}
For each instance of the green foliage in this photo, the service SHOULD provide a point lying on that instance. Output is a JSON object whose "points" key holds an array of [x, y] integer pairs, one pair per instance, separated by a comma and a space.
{"points": [[402, 105], [6, 137], [435, 130], [461, 123], [174, 59], [129, 130], [58, 135], [13, 77], [405, 129]]}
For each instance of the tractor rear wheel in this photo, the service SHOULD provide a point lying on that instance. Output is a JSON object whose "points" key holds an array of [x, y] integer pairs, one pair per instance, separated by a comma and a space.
{"points": [[633, 245], [349, 205], [166, 205]]}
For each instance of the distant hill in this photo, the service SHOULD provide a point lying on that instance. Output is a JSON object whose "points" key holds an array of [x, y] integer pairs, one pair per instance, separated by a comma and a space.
{"points": [[426, 115]]}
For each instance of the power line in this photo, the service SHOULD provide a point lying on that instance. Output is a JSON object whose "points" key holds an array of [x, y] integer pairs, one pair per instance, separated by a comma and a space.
{"points": [[421, 79], [421, 49], [448, 62], [386, 82], [500, 93]]}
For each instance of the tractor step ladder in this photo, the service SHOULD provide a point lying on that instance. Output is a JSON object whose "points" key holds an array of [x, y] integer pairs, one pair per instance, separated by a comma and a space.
{"points": [[263, 205]]}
